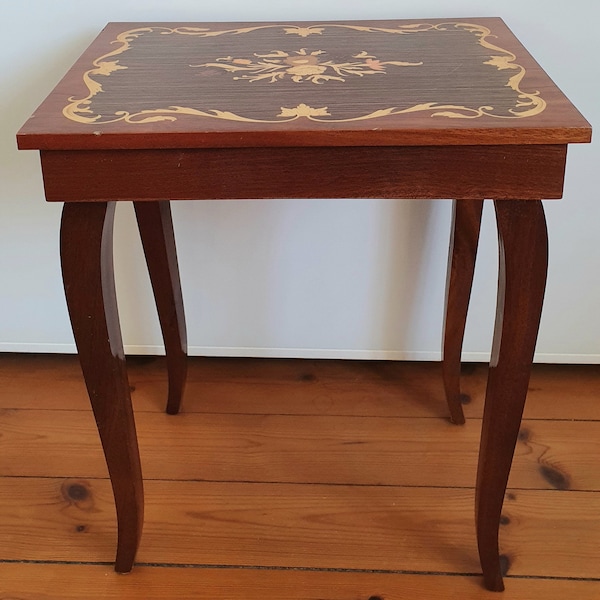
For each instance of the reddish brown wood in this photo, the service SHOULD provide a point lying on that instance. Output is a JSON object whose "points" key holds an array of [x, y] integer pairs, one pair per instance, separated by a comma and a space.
{"points": [[523, 242], [156, 231], [464, 238], [457, 69], [472, 116], [469, 172], [87, 266]]}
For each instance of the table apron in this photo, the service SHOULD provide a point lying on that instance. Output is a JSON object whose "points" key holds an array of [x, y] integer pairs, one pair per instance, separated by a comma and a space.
{"points": [[499, 172]]}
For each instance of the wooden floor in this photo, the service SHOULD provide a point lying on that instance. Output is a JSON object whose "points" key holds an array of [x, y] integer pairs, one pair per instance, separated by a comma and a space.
{"points": [[295, 479]]}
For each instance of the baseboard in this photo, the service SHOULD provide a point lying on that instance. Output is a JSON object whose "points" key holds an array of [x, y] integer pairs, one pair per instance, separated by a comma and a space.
{"points": [[314, 353]]}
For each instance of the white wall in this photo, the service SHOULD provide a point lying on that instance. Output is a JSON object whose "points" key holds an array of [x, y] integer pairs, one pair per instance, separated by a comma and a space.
{"points": [[296, 278]]}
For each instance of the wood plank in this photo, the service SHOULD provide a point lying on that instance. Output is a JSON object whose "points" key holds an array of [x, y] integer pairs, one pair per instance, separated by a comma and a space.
{"points": [[555, 391], [237, 385], [401, 390], [534, 524], [547, 533], [41, 381], [300, 449], [72, 582], [299, 386]]}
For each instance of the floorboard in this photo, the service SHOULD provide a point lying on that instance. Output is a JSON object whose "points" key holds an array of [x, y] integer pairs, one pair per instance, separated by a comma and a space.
{"points": [[73, 582], [295, 479]]}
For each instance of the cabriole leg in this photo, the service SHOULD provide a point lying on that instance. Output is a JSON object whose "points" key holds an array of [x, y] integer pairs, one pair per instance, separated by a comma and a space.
{"points": [[87, 267], [523, 242], [464, 238], [156, 231]]}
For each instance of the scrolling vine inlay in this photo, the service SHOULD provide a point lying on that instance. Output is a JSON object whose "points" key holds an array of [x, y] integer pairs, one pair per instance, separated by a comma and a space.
{"points": [[221, 74]]}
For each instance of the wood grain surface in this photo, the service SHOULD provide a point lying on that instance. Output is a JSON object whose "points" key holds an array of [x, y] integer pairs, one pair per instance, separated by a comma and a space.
{"points": [[346, 474], [349, 450], [193, 85], [527, 172], [68, 582]]}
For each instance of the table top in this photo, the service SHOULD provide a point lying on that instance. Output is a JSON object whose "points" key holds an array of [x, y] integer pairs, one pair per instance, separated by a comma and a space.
{"points": [[367, 83]]}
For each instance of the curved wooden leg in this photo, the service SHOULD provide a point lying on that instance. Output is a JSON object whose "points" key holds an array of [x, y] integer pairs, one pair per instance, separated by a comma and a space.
{"points": [[464, 238], [523, 244], [87, 266], [156, 230]]}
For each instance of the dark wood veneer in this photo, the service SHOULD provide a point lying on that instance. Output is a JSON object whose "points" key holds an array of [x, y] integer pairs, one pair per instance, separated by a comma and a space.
{"points": [[162, 83]]}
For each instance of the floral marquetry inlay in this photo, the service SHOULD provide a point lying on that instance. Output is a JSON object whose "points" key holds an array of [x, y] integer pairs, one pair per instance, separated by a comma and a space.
{"points": [[302, 65], [330, 73]]}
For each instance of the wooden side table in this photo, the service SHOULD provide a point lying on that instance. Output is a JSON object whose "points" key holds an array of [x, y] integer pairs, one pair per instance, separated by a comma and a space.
{"points": [[154, 112]]}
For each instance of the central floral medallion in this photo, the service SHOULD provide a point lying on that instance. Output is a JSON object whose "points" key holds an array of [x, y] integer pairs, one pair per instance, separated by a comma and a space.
{"points": [[302, 65]]}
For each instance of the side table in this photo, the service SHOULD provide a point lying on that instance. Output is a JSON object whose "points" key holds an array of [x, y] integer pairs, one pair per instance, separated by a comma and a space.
{"points": [[154, 112]]}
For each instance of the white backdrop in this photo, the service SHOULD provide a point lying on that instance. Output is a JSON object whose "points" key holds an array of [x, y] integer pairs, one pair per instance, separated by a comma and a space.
{"points": [[322, 278]]}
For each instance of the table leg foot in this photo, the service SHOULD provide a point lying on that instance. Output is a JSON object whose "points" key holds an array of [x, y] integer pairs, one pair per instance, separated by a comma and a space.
{"points": [[466, 223], [87, 266], [156, 231], [523, 245]]}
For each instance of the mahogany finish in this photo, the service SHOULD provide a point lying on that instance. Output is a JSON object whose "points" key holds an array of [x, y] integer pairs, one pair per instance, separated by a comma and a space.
{"points": [[364, 172], [87, 267], [523, 242], [387, 109], [464, 238], [156, 230], [468, 67]]}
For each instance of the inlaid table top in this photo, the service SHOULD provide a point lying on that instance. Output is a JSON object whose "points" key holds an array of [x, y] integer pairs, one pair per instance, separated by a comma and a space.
{"points": [[368, 83]]}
